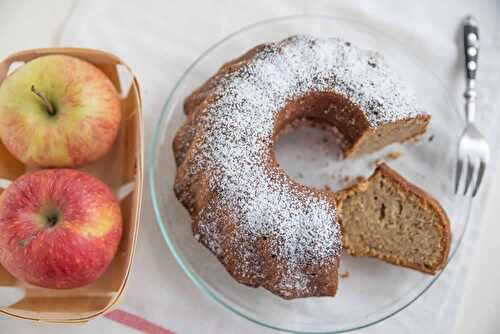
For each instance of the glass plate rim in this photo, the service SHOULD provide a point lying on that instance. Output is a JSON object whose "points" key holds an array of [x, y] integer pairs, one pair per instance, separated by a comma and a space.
{"points": [[155, 195]]}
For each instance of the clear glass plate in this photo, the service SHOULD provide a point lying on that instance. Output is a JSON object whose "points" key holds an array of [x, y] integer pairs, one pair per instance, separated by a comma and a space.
{"points": [[374, 290]]}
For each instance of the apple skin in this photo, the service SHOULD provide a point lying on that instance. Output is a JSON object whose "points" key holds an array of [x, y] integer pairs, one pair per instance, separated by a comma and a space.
{"points": [[69, 251], [87, 112]]}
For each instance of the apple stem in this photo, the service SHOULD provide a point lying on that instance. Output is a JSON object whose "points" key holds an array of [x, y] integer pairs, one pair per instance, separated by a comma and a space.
{"points": [[45, 100]]}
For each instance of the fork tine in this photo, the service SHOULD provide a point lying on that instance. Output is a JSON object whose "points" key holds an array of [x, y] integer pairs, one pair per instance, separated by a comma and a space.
{"points": [[468, 178], [482, 167], [458, 174]]}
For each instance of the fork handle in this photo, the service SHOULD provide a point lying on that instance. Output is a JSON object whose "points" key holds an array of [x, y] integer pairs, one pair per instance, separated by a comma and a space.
{"points": [[471, 47], [471, 50]]}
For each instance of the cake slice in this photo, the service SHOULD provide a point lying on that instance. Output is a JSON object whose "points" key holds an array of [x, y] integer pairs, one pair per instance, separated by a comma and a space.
{"points": [[391, 219]]}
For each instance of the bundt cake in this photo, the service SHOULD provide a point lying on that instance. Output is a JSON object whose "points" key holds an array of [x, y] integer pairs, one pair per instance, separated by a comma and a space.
{"points": [[265, 228]]}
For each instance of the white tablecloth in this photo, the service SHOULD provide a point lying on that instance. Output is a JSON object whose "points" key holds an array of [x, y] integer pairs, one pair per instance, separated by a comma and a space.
{"points": [[159, 39]]}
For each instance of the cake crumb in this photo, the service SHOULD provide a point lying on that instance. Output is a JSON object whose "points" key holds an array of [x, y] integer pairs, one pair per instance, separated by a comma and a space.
{"points": [[393, 155], [300, 175], [431, 138], [345, 274], [348, 181], [389, 156], [324, 140], [415, 139], [327, 188]]}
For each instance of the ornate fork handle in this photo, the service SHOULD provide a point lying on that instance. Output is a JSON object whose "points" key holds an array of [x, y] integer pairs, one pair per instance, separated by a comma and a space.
{"points": [[471, 49]]}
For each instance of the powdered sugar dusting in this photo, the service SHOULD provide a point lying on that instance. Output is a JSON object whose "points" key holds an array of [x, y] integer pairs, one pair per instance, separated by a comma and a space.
{"points": [[263, 206]]}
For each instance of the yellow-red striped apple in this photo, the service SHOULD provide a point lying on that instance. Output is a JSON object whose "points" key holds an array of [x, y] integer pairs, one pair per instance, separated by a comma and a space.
{"points": [[58, 111]]}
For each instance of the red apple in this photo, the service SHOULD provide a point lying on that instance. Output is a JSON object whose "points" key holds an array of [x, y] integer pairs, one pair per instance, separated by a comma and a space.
{"points": [[58, 111], [59, 228]]}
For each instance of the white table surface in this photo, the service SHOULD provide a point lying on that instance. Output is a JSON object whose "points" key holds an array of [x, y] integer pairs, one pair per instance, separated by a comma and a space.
{"points": [[27, 24]]}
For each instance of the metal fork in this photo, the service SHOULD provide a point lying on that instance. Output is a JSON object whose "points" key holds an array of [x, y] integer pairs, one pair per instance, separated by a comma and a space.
{"points": [[473, 150]]}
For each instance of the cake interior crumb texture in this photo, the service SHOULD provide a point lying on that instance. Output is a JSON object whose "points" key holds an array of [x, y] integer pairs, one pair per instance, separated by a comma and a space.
{"points": [[387, 218], [396, 132]]}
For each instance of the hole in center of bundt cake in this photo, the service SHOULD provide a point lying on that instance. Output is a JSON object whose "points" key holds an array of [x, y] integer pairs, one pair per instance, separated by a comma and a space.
{"points": [[309, 134], [306, 152]]}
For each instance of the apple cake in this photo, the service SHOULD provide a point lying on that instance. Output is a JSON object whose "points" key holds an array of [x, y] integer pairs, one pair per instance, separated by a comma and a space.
{"points": [[267, 229]]}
